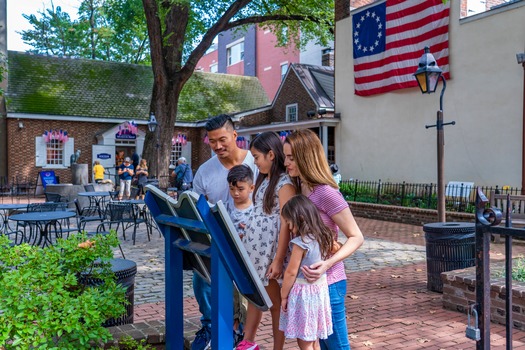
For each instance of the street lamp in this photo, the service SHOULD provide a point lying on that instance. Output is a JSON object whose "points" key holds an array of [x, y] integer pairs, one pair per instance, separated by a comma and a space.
{"points": [[153, 127], [427, 75]]}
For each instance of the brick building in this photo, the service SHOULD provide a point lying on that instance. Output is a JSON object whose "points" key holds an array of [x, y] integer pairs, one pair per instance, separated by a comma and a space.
{"points": [[56, 106]]}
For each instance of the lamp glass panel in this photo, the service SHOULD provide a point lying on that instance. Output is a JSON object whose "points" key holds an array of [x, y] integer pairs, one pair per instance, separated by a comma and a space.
{"points": [[422, 81], [433, 78]]}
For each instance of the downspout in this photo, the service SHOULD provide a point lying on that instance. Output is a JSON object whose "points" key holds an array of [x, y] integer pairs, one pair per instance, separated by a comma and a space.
{"points": [[521, 60], [3, 86]]}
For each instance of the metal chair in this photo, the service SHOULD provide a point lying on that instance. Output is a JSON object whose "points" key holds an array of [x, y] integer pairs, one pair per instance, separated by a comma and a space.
{"points": [[88, 214], [5, 187], [127, 215], [54, 197]]}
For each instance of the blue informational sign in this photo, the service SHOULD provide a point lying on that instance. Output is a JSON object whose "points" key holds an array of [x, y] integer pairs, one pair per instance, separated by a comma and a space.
{"points": [[48, 177], [104, 156]]}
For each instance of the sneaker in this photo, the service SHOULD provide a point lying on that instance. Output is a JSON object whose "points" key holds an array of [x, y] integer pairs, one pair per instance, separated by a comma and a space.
{"points": [[247, 345], [202, 339]]}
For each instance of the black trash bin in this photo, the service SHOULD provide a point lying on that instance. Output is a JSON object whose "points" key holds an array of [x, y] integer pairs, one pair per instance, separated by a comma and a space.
{"points": [[125, 271], [450, 246]]}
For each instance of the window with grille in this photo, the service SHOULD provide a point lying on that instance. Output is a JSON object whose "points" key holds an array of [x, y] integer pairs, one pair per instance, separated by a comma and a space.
{"points": [[176, 153], [55, 152], [291, 113]]}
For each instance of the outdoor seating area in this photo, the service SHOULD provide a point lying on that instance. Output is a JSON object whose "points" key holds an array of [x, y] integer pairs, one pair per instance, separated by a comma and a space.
{"points": [[41, 220]]}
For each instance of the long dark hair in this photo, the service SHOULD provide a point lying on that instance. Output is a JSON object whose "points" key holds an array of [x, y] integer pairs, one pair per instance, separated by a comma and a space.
{"points": [[264, 143], [305, 216]]}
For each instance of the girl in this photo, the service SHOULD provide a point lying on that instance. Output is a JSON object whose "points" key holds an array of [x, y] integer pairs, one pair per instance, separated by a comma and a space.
{"points": [[142, 174], [305, 307], [307, 165], [266, 240]]}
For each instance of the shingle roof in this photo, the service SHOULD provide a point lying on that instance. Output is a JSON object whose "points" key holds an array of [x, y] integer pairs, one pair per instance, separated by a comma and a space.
{"points": [[89, 88], [318, 82]]}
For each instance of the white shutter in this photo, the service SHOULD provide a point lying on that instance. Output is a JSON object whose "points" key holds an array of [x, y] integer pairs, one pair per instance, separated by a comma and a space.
{"points": [[69, 149], [40, 151], [186, 153]]}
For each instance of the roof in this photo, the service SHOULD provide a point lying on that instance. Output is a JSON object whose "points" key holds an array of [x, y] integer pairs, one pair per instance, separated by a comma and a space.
{"points": [[90, 88], [318, 82]]}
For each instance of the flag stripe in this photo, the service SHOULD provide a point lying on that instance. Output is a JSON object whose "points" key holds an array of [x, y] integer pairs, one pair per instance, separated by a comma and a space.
{"points": [[407, 26]]}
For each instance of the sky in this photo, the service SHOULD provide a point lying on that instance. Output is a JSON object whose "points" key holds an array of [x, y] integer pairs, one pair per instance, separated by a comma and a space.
{"points": [[17, 23]]}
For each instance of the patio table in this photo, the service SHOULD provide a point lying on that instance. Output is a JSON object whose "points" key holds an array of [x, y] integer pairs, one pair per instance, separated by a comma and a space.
{"points": [[44, 222], [5, 210], [97, 197]]}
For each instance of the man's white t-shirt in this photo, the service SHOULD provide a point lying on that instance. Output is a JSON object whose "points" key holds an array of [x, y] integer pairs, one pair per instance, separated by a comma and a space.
{"points": [[211, 179]]}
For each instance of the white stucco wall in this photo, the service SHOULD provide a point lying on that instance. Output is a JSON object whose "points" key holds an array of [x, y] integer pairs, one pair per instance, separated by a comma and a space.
{"points": [[384, 136]]}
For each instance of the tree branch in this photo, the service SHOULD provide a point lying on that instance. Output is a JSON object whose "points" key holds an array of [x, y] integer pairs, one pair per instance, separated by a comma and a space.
{"points": [[261, 19]]}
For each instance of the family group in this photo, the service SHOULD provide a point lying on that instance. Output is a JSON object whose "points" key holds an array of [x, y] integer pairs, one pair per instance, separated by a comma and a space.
{"points": [[288, 211]]}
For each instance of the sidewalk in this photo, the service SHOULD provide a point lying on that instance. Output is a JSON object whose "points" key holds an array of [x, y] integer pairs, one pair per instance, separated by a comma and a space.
{"points": [[388, 304]]}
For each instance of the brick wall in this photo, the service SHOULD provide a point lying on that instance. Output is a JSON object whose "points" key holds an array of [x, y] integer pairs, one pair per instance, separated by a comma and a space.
{"points": [[411, 216], [459, 291]]}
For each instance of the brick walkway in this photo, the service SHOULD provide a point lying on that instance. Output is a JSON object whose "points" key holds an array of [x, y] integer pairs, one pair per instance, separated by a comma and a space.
{"points": [[388, 304]]}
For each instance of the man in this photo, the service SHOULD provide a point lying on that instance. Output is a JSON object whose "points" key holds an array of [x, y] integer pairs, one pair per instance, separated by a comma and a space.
{"points": [[211, 181], [183, 175], [125, 173]]}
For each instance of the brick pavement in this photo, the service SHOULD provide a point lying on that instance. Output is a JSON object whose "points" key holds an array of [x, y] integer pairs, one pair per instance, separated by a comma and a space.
{"points": [[388, 304]]}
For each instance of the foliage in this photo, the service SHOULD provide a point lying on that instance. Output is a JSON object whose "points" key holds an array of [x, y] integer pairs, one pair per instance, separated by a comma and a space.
{"points": [[45, 299], [113, 30], [128, 343], [3, 70], [518, 270]]}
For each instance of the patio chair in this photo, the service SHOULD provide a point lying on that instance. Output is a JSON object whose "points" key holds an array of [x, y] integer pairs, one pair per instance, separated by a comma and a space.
{"points": [[54, 197], [87, 214], [23, 186], [127, 215], [5, 187]]}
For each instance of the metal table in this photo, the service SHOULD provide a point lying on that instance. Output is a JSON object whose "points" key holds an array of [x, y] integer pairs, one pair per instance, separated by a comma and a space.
{"points": [[96, 197], [5, 209], [44, 222]]}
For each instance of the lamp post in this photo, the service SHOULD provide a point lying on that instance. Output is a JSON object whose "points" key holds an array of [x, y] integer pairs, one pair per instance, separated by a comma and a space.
{"points": [[427, 75], [153, 126]]}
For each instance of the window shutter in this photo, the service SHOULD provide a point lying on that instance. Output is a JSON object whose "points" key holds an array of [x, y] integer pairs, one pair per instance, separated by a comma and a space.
{"points": [[40, 152], [186, 153], [69, 149]]}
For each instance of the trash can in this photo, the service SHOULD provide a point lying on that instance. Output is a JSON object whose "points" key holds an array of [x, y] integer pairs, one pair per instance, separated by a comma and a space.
{"points": [[450, 246], [125, 271]]}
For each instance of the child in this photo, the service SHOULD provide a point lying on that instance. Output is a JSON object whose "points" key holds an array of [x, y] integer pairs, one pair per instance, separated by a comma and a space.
{"points": [[266, 240], [312, 241], [240, 180], [98, 172]]}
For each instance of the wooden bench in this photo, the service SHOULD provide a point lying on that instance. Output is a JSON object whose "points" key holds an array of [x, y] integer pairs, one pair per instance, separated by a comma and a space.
{"points": [[514, 203]]}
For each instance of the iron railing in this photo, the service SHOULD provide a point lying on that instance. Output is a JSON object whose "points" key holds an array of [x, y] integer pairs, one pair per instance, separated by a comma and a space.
{"points": [[459, 197]]}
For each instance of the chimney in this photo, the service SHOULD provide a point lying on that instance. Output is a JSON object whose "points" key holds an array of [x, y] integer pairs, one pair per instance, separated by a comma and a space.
{"points": [[327, 58]]}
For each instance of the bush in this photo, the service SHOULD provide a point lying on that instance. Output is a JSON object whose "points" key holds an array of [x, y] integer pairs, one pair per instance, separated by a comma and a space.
{"points": [[43, 302]]}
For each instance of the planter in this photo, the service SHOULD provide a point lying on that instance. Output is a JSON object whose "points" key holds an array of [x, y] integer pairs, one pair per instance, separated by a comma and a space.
{"points": [[459, 290]]}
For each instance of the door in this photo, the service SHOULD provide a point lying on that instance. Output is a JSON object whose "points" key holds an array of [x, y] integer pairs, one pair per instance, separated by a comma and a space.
{"points": [[106, 156]]}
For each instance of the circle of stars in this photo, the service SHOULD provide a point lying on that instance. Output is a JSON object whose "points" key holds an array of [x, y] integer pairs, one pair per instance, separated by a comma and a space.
{"points": [[368, 16]]}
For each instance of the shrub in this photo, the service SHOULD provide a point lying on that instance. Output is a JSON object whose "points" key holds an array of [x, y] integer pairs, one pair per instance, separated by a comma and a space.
{"points": [[44, 303]]}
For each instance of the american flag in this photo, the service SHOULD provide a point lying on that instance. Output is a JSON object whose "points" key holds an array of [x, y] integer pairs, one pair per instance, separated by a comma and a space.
{"points": [[388, 40]]}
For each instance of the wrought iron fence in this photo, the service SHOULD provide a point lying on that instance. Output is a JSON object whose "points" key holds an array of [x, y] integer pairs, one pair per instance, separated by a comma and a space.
{"points": [[458, 196]]}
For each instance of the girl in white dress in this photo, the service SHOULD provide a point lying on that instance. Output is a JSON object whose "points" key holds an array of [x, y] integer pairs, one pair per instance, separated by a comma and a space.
{"points": [[266, 240], [305, 306]]}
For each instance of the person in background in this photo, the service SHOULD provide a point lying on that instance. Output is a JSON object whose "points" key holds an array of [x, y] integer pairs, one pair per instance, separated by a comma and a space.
{"points": [[306, 163], [305, 306], [183, 175], [240, 180], [211, 181], [98, 172], [119, 158], [334, 169], [125, 173], [142, 175], [135, 160]]}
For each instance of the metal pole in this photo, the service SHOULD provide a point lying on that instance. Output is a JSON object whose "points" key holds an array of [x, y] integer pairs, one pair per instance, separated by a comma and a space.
{"points": [[523, 138], [440, 167]]}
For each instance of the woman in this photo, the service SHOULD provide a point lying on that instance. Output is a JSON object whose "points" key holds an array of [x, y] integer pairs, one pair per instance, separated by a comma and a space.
{"points": [[142, 176], [307, 165]]}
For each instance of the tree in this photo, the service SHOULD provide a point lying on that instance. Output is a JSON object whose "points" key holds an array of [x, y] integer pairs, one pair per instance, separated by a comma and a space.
{"points": [[113, 30], [180, 32]]}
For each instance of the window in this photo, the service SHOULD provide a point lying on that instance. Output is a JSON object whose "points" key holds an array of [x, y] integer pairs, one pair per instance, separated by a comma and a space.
{"points": [[284, 69], [214, 68], [291, 113], [235, 52], [55, 153], [176, 153]]}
